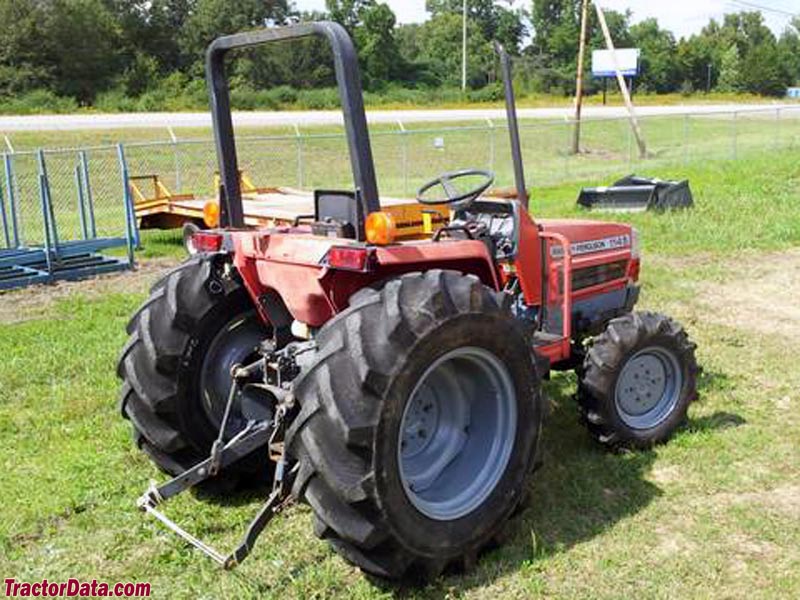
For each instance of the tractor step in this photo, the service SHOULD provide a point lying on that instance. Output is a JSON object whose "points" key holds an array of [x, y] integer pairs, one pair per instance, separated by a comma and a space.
{"points": [[542, 338]]}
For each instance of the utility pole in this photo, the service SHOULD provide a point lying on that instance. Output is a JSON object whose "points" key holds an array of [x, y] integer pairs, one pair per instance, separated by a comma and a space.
{"points": [[464, 51], [623, 87], [576, 139]]}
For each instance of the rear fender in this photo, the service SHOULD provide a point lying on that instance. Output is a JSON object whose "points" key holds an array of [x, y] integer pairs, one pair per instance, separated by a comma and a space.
{"points": [[293, 268]]}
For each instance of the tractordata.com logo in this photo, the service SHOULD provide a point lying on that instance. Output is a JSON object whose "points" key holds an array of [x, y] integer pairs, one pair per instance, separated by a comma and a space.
{"points": [[73, 588]]}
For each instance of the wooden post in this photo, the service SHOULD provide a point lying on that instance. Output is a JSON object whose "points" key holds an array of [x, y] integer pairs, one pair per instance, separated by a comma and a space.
{"points": [[464, 50], [576, 140], [623, 87]]}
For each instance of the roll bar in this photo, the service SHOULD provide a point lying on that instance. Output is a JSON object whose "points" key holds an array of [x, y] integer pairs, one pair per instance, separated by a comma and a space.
{"points": [[348, 79]]}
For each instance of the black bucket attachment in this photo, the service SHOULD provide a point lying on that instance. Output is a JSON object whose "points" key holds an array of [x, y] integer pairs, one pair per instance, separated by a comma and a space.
{"points": [[634, 193]]}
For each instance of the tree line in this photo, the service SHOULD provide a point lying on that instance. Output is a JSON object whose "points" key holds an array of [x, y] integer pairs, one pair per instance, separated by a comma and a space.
{"points": [[149, 54]]}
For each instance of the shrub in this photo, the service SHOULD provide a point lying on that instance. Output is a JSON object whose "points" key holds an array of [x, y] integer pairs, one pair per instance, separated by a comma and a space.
{"points": [[37, 102]]}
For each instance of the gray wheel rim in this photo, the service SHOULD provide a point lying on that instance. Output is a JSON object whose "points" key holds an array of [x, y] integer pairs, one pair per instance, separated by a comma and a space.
{"points": [[648, 388], [457, 433], [236, 343]]}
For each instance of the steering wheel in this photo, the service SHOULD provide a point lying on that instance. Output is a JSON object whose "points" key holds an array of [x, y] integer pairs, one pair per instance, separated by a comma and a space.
{"points": [[454, 198]]}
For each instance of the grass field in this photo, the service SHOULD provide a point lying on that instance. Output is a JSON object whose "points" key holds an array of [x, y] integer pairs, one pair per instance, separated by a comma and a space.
{"points": [[714, 513]]}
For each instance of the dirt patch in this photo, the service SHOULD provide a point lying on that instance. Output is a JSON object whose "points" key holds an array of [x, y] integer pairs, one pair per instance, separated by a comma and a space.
{"points": [[762, 297], [783, 500], [672, 543], [37, 301], [666, 475]]}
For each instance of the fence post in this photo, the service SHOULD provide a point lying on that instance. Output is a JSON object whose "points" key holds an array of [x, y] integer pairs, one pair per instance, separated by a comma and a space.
{"points": [[735, 135], [567, 154], [492, 149], [6, 235], [176, 155], [81, 209], [686, 139], [404, 147], [630, 150], [132, 231], [87, 190], [12, 199], [299, 137]]}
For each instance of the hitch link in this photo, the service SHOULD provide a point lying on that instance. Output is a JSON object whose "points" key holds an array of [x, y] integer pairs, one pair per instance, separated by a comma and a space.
{"points": [[256, 434]]}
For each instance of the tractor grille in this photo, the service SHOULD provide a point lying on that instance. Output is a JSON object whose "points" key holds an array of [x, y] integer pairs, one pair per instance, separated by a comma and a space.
{"points": [[590, 276]]}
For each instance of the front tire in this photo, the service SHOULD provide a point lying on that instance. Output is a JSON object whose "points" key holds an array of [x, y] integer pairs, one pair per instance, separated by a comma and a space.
{"points": [[405, 478], [638, 379]]}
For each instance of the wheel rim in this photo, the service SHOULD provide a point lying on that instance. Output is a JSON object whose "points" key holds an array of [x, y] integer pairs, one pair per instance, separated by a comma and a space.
{"points": [[648, 388], [457, 433], [236, 343]]}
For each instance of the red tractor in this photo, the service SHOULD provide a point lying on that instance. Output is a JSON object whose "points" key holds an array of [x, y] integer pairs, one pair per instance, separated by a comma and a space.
{"points": [[394, 387]]}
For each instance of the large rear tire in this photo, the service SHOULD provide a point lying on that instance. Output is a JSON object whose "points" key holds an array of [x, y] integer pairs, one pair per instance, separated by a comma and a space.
{"points": [[419, 423], [638, 379], [175, 367]]}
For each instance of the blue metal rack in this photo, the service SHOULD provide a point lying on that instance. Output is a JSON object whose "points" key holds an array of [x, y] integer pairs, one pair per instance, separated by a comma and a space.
{"points": [[57, 259]]}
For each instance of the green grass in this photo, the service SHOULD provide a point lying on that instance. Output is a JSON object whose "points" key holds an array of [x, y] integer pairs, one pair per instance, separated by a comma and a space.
{"points": [[713, 513]]}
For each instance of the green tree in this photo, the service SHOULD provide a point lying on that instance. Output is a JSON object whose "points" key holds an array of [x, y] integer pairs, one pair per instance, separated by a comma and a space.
{"points": [[347, 12], [659, 67], [730, 70], [80, 46], [699, 59], [441, 50], [763, 73], [556, 27], [372, 25], [21, 64], [789, 50], [496, 22], [378, 50], [211, 18]]}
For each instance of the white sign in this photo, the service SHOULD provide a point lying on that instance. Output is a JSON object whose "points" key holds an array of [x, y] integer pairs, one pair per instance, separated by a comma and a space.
{"points": [[603, 62]]}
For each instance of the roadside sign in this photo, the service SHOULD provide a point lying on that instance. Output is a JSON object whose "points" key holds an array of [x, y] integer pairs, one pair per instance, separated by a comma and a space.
{"points": [[603, 62]]}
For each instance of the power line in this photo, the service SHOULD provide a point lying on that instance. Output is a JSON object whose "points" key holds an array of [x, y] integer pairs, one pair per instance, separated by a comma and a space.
{"points": [[777, 11]]}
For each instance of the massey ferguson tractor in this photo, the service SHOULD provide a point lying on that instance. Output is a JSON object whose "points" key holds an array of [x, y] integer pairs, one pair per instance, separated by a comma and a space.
{"points": [[393, 386]]}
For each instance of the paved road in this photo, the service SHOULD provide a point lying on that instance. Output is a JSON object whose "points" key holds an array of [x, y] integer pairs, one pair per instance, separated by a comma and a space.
{"points": [[309, 118]]}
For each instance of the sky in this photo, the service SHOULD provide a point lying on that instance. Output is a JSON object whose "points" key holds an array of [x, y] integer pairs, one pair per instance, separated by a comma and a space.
{"points": [[682, 17]]}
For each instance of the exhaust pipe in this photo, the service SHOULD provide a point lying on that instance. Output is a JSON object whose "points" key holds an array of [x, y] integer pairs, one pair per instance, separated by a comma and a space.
{"points": [[513, 126]]}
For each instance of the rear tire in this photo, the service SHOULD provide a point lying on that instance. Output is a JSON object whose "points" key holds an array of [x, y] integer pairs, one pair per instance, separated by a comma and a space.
{"points": [[638, 379], [176, 364], [355, 444]]}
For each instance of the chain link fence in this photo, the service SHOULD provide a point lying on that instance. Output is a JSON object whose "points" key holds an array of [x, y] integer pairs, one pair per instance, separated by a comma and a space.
{"points": [[411, 154], [406, 156]]}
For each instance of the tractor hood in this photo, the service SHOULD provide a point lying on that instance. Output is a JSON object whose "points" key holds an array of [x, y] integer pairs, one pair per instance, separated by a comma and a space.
{"points": [[590, 237]]}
